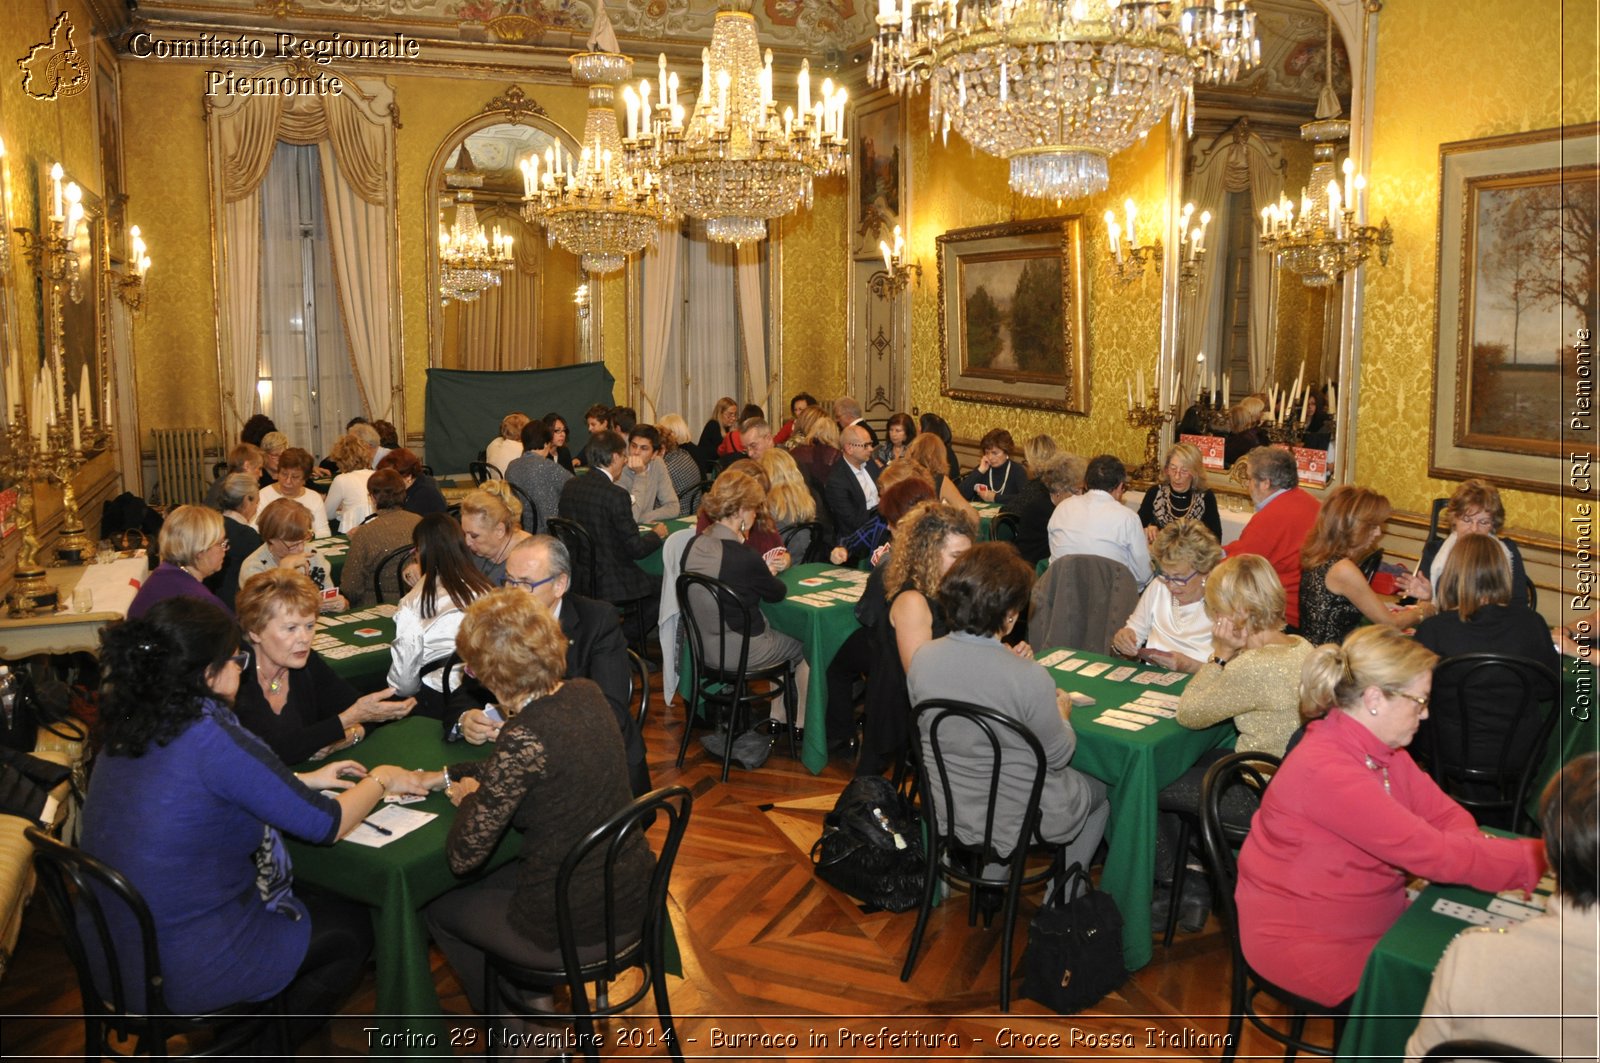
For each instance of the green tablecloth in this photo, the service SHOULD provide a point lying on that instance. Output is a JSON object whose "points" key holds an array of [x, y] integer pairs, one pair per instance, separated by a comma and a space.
{"points": [[652, 562], [1134, 765], [1394, 983], [334, 548], [366, 671], [1576, 730], [400, 878]]}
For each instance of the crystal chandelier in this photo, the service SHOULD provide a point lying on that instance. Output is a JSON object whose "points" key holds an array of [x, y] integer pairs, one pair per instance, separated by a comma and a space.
{"points": [[737, 161], [470, 259], [1324, 239], [1059, 86], [602, 209]]}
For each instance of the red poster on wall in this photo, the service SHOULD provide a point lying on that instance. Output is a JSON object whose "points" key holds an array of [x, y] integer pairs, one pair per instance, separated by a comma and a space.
{"points": [[1211, 450], [1312, 464], [8, 507]]}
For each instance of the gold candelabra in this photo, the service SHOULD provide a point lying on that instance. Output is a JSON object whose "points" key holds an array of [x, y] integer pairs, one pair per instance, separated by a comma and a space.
{"points": [[1153, 417], [51, 453], [896, 274]]}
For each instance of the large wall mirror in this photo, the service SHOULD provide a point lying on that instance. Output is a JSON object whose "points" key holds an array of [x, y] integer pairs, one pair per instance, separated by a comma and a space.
{"points": [[531, 318], [74, 308], [1258, 325]]}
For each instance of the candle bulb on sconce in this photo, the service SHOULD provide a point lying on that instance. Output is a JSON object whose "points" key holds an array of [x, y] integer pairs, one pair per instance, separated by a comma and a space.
{"points": [[896, 273], [1128, 262], [129, 286], [1192, 248]]}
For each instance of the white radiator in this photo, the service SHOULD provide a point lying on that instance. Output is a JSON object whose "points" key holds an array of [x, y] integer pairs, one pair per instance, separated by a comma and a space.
{"points": [[182, 468]]}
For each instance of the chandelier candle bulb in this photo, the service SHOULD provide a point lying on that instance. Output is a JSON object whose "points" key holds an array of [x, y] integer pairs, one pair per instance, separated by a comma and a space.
{"points": [[1205, 222], [1349, 169], [1131, 210], [83, 394], [57, 211]]}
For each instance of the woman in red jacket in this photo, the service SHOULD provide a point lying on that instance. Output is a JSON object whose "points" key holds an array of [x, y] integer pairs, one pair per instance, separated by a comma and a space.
{"points": [[1349, 817]]}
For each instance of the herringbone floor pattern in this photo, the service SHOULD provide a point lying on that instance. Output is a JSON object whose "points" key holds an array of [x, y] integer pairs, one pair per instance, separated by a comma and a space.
{"points": [[770, 950]]}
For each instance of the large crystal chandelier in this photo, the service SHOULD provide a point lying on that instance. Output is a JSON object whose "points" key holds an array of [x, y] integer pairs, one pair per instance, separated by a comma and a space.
{"points": [[1324, 238], [1059, 86], [470, 259], [597, 206], [738, 160]]}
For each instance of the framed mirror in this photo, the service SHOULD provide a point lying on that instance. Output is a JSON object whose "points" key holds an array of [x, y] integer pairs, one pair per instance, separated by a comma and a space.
{"points": [[527, 314], [10, 262], [1259, 326]]}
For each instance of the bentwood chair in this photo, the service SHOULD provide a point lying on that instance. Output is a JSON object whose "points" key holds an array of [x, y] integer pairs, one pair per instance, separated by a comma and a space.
{"points": [[1222, 835], [1490, 720], [638, 686], [720, 675], [1496, 1052], [626, 943], [89, 900], [530, 512], [1003, 529], [386, 575], [806, 542], [977, 732], [482, 471], [580, 548]]}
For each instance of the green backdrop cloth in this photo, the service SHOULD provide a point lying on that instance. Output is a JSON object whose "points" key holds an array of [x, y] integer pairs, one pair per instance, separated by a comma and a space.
{"points": [[464, 408]]}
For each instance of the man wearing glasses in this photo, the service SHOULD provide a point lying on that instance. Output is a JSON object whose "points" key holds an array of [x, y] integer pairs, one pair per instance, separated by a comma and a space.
{"points": [[595, 647], [852, 488]]}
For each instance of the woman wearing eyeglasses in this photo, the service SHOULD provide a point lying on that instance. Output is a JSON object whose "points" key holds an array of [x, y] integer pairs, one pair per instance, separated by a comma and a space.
{"points": [[289, 695], [285, 528], [1474, 509], [194, 544], [1170, 626], [1349, 818], [189, 806]]}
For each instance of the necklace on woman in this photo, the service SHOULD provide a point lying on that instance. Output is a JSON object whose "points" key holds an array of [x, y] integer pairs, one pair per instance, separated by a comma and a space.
{"points": [[1163, 510], [1003, 480], [276, 684], [1373, 765]]}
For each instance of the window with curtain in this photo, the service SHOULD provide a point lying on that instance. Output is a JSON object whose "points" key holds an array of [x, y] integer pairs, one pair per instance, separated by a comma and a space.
{"points": [[305, 380], [705, 357]]}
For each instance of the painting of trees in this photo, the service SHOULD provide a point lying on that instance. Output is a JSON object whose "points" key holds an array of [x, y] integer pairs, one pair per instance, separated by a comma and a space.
{"points": [[984, 321], [1037, 332]]}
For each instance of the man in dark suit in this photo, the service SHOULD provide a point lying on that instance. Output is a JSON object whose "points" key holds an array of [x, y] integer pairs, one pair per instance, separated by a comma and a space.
{"points": [[852, 488], [847, 412], [595, 647], [602, 505]]}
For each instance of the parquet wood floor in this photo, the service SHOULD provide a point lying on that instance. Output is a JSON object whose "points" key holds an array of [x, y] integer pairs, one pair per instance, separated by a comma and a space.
{"points": [[770, 950]]}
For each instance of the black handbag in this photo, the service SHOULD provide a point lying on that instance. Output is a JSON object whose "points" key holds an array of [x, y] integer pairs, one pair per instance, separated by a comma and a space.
{"points": [[1074, 953], [871, 848], [26, 782]]}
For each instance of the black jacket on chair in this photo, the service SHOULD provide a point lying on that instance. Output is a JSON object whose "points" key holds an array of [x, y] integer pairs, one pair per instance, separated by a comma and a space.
{"points": [[847, 504], [243, 540], [606, 513]]}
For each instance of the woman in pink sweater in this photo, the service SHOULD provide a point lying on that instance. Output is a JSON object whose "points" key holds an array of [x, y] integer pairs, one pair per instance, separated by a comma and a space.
{"points": [[1349, 817]]}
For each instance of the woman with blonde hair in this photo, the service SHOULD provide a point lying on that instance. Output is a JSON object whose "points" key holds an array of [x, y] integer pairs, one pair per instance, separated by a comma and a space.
{"points": [[507, 446], [816, 444], [789, 500], [194, 546], [1181, 493], [558, 771], [724, 416], [491, 521], [1349, 818], [928, 451], [1334, 595], [1052, 481], [348, 503], [762, 535], [273, 444], [682, 469], [1170, 625], [1244, 429]]}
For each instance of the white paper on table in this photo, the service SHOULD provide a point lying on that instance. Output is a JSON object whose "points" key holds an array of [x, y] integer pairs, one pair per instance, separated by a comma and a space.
{"points": [[396, 819]]}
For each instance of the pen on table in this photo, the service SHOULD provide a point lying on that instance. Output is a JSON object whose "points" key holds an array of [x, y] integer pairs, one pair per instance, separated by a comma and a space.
{"points": [[376, 827]]}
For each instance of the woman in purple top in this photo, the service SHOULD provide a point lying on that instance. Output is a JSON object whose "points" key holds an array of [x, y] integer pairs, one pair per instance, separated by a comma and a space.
{"points": [[194, 544], [189, 805]]}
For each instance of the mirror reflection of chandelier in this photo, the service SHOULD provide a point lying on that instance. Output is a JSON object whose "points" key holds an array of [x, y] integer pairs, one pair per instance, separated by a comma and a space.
{"points": [[601, 209], [470, 259], [738, 160], [1059, 86]]}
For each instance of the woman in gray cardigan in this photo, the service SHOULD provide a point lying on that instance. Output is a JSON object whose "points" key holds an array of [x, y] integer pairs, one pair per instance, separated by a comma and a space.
{"points": [[982, 595]]}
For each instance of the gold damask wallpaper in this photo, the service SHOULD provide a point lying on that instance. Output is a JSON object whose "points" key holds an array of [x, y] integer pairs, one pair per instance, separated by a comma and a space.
{"points": [[1487, 68], [956, 187], [815, 326]]}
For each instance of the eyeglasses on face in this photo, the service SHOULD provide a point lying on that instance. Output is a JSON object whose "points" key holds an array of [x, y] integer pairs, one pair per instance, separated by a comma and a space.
{"points": [[1175, 581], [242, 659], [527, 585], [1420, 700]]}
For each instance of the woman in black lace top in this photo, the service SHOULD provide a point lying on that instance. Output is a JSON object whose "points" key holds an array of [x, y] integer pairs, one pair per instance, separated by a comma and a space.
{"points": [[559, 770], [1181, 493]]}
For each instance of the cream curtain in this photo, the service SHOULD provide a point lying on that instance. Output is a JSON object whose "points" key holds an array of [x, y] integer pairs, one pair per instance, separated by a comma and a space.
{"points": [[499, 330], [1202, 322], [661, 267], [752, 322], [358, 182], [1266, 185]]}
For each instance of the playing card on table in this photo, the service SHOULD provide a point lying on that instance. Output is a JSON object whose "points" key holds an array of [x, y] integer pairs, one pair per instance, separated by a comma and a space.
{"points": [[1121, 725], [1072, 665], [1050, 660], [1166, 679], [1160, 697], [815, 581], [1119, 675], [1146, 678], [1126, 713], [1095, 668], [1512, 910], [1164, 711], [838, 573], [1471, 914], [386, 609]]}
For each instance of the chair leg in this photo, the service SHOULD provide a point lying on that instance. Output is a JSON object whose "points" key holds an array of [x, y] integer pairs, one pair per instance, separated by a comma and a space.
{"points": [[1297, 1032], [791, 703], [1236, 1016], [1008, 925], [1180, 873], [669, 1030], [691, 708], [587, 1036], [491, 1008], [930, 878]]}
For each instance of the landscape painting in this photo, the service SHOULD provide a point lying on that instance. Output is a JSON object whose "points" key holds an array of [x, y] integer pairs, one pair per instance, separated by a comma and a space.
{"points": [[1518, 295], [1012, 327]]}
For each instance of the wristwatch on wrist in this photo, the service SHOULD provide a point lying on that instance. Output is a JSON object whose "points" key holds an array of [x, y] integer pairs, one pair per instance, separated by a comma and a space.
{"points": [[1220, 662]]}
